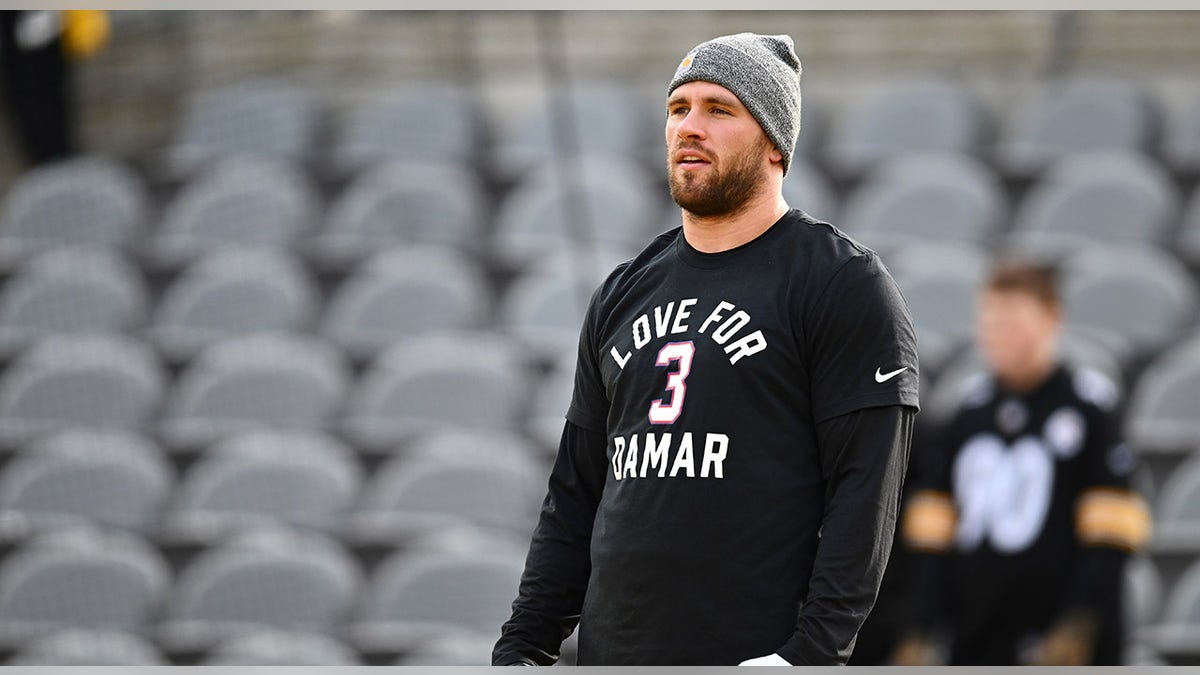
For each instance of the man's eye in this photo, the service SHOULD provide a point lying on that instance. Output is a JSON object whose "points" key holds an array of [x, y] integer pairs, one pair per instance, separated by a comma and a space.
{"points": [[676, 111]]}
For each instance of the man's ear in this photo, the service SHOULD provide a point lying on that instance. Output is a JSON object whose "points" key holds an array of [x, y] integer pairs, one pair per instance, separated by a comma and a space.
{"points": [[776, 155]]}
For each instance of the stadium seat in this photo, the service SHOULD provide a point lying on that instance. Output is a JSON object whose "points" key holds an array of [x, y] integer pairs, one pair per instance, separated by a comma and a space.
{"points": [[78, 381], [586, 118], [1181, 142], [550, 403], [1178, 634], [269, 578], [1164, 411], [264, 477], [544, 215], [1177, 510], [255, 382], [804, 188], [917, 116], [69, 291], [109, 478], [452, 647], [438, 380], [1135, 299], [89, 201], [544, 310], [940, 283], [75, 647], [230, 294], [1091, 198], [403, 204], [925, 199], [281, 648], [79, 578], [1189, 233], [236, 203], [260, 118], [1077, 115], [487, 485], [405, 292], [413, 598], [1143, 592], [432, 121]]}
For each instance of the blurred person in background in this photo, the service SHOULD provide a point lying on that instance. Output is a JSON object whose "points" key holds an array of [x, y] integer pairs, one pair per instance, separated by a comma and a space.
{"points": [[37, 50], [1021, 517], [728, 480]]}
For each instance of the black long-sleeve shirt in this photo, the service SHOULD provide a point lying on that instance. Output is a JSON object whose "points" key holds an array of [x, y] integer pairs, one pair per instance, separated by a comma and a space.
{"points": [[729, 477]]}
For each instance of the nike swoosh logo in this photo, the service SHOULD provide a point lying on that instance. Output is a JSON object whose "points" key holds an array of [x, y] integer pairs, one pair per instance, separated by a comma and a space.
{"points": [[884, 377]]}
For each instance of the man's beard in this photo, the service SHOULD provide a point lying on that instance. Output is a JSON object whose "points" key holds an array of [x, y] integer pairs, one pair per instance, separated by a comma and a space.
{"points": [[723, 193]]}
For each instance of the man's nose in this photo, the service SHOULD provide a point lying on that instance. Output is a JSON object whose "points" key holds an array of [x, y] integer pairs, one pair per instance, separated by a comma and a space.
{"points": [[691, 127]]}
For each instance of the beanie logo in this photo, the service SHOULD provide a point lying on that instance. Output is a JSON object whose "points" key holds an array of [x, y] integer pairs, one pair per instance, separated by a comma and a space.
{"points": [[686, 64]]}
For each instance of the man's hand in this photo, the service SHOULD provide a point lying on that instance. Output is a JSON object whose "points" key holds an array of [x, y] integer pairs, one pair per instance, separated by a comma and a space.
{"points": [[768, 660], [1068, 643], [914, 650]]}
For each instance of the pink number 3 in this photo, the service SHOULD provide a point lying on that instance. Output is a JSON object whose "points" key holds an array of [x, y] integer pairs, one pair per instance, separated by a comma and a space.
{"points": [[681, 352]]}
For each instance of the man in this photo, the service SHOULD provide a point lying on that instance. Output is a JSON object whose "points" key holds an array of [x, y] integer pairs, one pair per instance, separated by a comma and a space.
{"points": [[727, 482], [1022, 516]]}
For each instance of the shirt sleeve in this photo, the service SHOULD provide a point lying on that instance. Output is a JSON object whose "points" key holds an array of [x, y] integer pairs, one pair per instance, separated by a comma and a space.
{"points": [[864, 457], [861, 346], [589, 401], [557, 568], [1111, 519]]}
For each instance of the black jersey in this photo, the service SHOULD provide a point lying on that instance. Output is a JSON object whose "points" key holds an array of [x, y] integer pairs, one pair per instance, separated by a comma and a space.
{"points": [[1040, 488], [708, 376]]}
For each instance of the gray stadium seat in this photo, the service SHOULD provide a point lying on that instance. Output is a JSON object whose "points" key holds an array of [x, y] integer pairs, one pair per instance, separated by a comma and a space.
{"points": [[904, 118], [1179, 631], [925, 199], [434, 381], [804, 188], [248, 383], [1177, 510], [264, 477], [90, 201], [430, 121], [1137, 298], [75, 647], [1143, 592], [544, 310], [236, 203], [82, 579], [598, 118], [550, 403], [413, 598], [940, 283], [110, 478], [1189, 233], [1164, 411], [487, 485], [401, 204], [69, 291], [258, 118], [452, 648], [1181, 142], [72, 381], [281, 648], [233, 293], [262, 579], [544, 214], [402, 293], [1096, 197], [1077, 115]]}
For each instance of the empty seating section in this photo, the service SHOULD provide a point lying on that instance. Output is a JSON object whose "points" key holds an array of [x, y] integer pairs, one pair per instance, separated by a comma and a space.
{"points": [[288, 391]]}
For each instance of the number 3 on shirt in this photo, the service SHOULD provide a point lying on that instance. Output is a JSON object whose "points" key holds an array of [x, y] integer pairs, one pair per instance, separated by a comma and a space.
{"points": [[680, 352]]}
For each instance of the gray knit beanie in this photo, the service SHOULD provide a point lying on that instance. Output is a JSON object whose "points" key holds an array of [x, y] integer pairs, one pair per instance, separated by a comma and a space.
{"points": [[763, 71]]}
